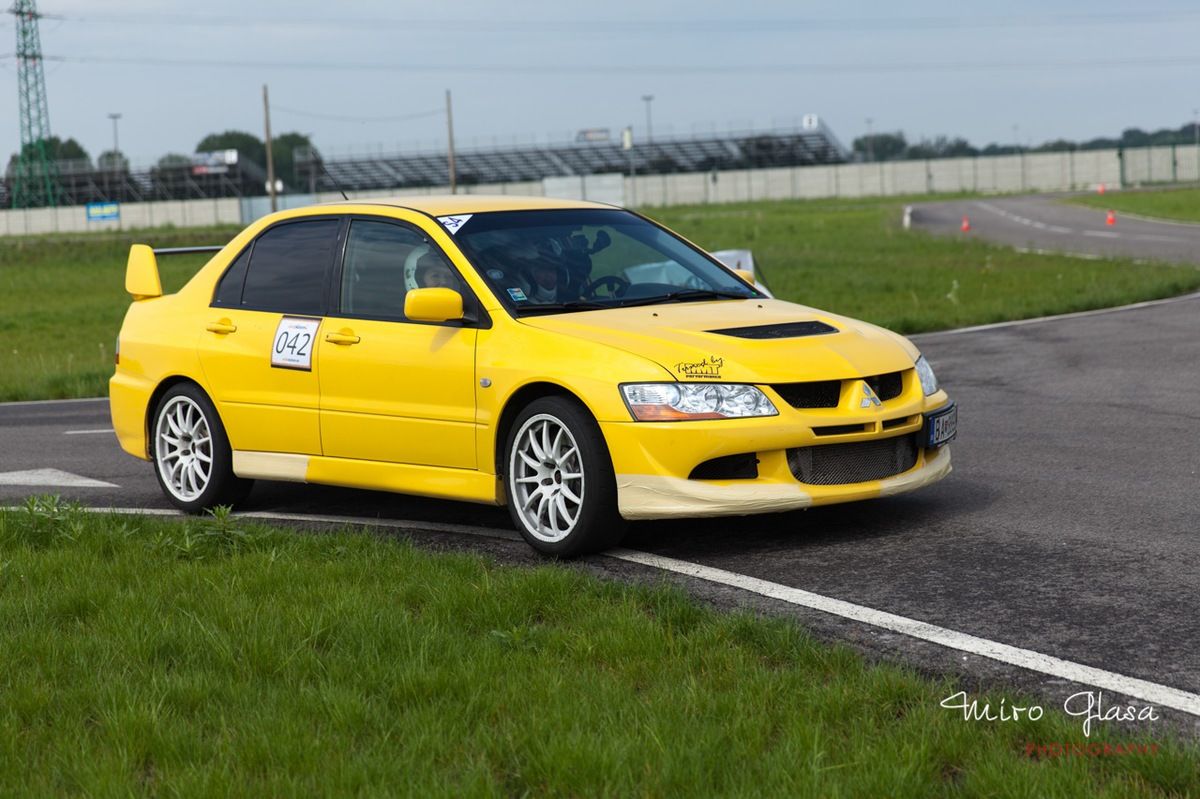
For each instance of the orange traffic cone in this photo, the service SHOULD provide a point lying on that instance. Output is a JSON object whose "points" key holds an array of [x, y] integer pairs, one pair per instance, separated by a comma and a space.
{"points": [[966, 224], [1100, 189], [1111, 219]]}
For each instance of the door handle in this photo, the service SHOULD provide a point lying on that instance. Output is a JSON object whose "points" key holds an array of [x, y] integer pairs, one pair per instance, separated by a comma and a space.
{"points": [[343, 337], [223, 327]]}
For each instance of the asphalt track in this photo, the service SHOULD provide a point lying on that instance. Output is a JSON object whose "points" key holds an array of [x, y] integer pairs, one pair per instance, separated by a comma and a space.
{"points": [[1070, 526], [1044, 222]]}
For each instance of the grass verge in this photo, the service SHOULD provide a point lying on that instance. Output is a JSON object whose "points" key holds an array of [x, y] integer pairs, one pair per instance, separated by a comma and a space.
{"points": [[1179, 204], [147, 657], [62, 298]]}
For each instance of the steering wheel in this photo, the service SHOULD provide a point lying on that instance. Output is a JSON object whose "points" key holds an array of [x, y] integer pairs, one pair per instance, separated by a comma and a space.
{"points": [[617, 286]]}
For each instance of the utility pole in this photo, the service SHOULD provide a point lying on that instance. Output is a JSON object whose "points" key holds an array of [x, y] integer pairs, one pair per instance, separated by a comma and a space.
{"points": [[116, 141], [116, 150], [870, 142], [450, 145], [270, 159], [1196, 135], [648, 99], [35, 177]]}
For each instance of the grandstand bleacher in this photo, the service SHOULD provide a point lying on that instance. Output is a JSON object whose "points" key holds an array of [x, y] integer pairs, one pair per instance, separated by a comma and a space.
{"points": [[810, 145]]}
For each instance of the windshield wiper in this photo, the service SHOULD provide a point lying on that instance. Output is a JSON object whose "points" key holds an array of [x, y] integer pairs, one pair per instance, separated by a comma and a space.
{"points": [[557, 307], [687, 295]]}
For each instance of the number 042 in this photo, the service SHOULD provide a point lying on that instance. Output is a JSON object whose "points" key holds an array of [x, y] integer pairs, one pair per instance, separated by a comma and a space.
{"points": [[293, 343]]}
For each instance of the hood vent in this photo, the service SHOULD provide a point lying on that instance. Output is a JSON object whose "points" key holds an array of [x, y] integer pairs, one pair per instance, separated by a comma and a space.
{"points": [[785, 330]]}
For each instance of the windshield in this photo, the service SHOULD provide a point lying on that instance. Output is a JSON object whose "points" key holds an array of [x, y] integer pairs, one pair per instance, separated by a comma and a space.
{"points": [[573, 260]]}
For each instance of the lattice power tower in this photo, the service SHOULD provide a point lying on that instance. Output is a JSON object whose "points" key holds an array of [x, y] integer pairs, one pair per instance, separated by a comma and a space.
{"points": [[35, 176]]}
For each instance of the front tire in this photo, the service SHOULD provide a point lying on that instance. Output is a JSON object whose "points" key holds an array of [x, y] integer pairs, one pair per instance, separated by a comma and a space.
{"points": [[559, 481], [192, 458]]}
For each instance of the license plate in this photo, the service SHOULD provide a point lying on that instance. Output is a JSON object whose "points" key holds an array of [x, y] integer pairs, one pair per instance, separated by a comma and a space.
{"points": [[941, 427]]}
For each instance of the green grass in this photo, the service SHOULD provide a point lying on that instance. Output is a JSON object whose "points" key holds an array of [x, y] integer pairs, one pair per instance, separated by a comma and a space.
{"points": [[1181, 204], [149, 657], [62, 298]]}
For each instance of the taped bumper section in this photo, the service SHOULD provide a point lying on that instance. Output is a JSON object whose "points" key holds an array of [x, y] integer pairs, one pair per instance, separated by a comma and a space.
{"points": [[645, 496]]}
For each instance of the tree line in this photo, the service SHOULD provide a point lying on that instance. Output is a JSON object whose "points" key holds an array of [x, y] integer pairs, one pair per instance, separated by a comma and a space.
{"points": [[249, 147], [895, 147]]}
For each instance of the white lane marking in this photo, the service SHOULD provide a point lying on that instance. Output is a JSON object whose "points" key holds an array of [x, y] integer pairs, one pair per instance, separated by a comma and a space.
{"points": [[1057, 317], [1159, 237], [357, 521], [1087, 256], [51, 478], [88, 432], [1102, 234], [439, 527], [51, 402], [1027, 659], [1153, 693], [1023, 220]]}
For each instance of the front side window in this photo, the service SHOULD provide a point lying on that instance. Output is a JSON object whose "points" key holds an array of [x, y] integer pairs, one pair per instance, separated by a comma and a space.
{"points": [[289, 265], [564, 260], [384, 262]]}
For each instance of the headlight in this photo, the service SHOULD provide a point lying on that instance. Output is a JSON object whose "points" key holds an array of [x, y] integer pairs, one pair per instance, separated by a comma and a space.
{"points": [[929, 383], [665, 402]]}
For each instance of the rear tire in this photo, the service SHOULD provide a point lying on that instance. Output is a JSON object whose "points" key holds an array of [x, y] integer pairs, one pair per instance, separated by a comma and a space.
{"points": [[192, 458], [559, 482]]}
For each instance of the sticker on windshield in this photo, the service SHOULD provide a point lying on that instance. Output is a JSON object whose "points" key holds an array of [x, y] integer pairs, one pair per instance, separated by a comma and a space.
{"points": [[292, 346], [453, 223], [518, 295]]}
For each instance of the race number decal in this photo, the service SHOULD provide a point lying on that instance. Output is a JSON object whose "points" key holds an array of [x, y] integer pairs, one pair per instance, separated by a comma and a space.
{"points": [[292, 347]]}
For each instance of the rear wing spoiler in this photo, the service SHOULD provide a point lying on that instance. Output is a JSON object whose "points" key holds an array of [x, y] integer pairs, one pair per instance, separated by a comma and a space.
{"points": [[141, 273]]}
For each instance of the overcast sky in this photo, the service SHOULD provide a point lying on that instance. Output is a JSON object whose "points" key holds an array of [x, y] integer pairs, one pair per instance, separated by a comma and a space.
{"points": [[345, 72]]}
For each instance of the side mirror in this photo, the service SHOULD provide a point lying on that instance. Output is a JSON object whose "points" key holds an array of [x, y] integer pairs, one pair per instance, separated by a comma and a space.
{"points": [[746, 275], [141, 273], [433, 305]]}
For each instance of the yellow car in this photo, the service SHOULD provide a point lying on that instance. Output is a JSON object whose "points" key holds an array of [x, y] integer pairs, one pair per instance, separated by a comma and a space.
{"points": [[573, 361]]}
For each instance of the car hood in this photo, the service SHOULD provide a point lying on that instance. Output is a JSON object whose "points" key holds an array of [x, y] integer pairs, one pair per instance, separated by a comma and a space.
{"points": [[680, 337]]}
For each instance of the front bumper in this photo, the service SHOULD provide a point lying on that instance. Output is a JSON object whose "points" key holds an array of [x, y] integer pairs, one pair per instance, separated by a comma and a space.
{"points": [[654, 462]]}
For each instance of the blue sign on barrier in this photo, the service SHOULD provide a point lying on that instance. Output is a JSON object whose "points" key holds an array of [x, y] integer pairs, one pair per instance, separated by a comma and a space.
{"points": [[103, 212]]}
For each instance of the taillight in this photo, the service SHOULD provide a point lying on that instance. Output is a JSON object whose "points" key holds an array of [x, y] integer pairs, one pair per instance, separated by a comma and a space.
{"points": [[117, 352]]}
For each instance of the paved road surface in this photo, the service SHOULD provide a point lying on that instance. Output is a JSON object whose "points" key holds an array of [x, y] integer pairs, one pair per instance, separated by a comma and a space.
{"points": [[1045, 223]]}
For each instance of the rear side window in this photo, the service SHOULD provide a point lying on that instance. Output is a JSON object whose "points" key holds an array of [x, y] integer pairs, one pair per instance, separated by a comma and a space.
{"points": [[288, 267], [229, 291]]}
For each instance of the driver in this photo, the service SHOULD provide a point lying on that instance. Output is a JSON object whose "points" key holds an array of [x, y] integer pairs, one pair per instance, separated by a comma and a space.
{"points": [[435, 274], [544, 279]]}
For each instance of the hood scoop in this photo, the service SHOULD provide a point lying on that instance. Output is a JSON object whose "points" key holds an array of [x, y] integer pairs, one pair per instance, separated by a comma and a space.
{"points": [[783, 330]]}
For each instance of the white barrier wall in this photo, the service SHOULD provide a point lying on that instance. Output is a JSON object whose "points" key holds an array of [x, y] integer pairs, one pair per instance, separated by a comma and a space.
{"points": [[1027, 172], [73, 218]]}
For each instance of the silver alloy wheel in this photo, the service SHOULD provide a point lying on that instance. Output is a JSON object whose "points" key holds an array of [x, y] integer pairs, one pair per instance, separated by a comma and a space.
{"points": [[545, 475], [183, 448]]}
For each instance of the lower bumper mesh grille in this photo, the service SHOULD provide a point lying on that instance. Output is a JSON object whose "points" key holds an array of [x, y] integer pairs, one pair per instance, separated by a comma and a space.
{"points": [[857, 462]]}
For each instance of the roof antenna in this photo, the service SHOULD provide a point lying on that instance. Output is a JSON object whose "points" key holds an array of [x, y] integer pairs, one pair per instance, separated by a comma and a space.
{"points": [[321, 162]]}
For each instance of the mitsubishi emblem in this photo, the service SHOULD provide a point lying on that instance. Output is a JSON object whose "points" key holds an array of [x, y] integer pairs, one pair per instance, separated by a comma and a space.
{"points": [[869, 397]]}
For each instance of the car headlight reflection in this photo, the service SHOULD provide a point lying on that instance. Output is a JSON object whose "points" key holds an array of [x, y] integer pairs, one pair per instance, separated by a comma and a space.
{"points": [[659, 402], [929, 383]]}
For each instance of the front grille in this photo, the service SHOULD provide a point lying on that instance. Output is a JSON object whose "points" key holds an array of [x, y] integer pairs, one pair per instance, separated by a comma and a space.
{"points": [[729, 467], [785, 330], [886, 386], [841, 464], [825, 393], [820, 394]]}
